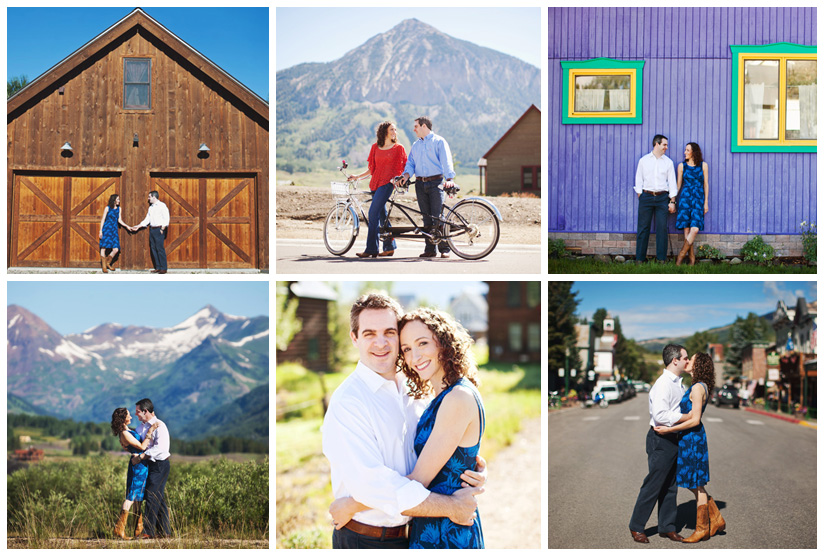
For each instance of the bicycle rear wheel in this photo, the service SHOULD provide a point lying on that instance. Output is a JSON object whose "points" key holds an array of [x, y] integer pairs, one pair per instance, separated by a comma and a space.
{"points": [[340, 229], [472, 229]]}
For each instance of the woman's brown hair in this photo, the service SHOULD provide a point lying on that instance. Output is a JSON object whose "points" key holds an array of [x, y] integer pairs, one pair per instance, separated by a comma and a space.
{"points": [[381, 133], [703, 371], [455, 350], [118, 420]]}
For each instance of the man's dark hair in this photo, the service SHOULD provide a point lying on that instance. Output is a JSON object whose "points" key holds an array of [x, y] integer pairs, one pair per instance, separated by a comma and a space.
{"points": [[154, 193], [658, 138], [425, 121], [146, 405], [672, 352], [372, 301]]}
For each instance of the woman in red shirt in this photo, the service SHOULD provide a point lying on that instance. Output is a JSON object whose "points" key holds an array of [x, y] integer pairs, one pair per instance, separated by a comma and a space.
{"points": [[386, 161]]}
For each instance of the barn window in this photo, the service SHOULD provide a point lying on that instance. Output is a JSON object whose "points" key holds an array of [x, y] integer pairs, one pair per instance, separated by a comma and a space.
{"points": [[513, 294], [602, 91], [773, 106], [530, 177], [137, 83], [514, 337]]}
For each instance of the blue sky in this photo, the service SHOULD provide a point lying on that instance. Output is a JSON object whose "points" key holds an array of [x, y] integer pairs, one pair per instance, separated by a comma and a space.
{"points": [[435, 292], [335, 31], [236, 39], [74, 306], [653, 309]]}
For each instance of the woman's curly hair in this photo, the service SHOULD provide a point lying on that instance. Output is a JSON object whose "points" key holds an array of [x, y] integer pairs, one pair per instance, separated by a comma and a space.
{"points": [[118, 420], [455, 354], [381, 133], [703, 371]]}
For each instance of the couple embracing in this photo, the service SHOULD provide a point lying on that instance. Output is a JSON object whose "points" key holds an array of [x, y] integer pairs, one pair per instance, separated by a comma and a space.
{"points": [[677, 448], [402, 433]]}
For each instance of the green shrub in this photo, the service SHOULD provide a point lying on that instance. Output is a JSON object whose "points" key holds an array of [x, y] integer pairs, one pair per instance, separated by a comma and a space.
{"points": [[756, 249], [707, 251], [556, 249], [808, 231]]}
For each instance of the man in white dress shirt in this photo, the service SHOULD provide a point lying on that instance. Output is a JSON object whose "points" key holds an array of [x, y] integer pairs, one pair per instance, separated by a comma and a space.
{"points": [[656, 189], [156, 457], [368, 436], [157, 219], [662, 450]]}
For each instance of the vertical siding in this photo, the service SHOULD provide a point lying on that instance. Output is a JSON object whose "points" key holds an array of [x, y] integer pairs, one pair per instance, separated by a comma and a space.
{"points": [[591, 168]]}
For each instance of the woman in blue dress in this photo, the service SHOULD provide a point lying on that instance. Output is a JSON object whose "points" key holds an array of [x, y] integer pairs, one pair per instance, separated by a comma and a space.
{"points": [[692, 470], [437, 358], [109, 236], [137, 473], [693, 201]]}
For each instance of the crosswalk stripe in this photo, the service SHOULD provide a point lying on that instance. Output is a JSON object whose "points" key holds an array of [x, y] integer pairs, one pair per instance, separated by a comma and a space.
{"points": [[631, 418], [754, 422], [590, 418], [713, 419]]}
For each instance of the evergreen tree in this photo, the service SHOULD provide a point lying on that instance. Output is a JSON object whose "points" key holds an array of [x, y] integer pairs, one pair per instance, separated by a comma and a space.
{"points": [[744, 332], [561, 331], [287, 324], [15, 84], [698, 342]]}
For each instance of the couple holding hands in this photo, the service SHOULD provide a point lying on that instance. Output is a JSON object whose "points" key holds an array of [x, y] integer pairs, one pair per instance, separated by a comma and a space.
{"points": [[157, 219]]}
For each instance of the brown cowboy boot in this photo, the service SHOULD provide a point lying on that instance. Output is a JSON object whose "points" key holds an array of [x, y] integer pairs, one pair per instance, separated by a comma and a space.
{"points": [[692, 255], [683, 253], [717, 523], [121, 525], [103, 264], [109, 263], [139, 523], [702, 526]]}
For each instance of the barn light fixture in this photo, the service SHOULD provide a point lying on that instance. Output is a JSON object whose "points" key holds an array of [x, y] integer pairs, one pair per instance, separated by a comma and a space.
{"points": [[66, 147], [203, 148], [135, 139]]}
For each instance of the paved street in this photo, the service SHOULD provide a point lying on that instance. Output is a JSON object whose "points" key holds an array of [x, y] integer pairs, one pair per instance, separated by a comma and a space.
{"points": [[762, 476], [310, 256]]}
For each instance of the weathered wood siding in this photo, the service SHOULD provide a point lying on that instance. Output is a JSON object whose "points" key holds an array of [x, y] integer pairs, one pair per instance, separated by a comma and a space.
{"points": [[311, 345], [188, 108], [687, 90], [520, 147], [503, 314]]}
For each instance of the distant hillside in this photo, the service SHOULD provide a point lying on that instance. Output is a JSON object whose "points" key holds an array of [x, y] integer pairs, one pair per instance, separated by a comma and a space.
{"points": [[246, 417], [328, 112], [722, 335], [16, 405]]}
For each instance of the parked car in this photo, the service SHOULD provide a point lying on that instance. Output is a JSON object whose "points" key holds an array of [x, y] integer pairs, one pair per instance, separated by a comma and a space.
{"points": [[641, 386], [610, 391], [728, 395]]}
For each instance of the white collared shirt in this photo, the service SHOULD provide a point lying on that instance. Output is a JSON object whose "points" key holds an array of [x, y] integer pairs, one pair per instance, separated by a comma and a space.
{"points": [[664, 398], [654, 174], [158, 448], [158, 215], [368, 437]]}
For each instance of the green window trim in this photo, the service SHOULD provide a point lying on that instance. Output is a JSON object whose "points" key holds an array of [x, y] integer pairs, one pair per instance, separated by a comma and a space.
{"points": [[602, 66], [780, 51]]}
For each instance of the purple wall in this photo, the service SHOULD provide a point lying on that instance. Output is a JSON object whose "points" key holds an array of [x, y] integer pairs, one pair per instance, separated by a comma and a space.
{"points": [[591, 168]]}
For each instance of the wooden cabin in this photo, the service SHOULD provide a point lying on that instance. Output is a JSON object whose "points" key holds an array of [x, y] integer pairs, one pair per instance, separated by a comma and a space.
{"points": [[513, 164], [515, 310], [134, 110], [312, 345]]}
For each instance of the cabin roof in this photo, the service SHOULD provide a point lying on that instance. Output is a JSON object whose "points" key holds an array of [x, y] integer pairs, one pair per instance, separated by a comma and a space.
{"points": [[522, 117]]}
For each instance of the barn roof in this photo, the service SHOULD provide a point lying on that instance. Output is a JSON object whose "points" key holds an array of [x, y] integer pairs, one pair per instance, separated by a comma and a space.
{"points": [[138, 17], [522, 117]]}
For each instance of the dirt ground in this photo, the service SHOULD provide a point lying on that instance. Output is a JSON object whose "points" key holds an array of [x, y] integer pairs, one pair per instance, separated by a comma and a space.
{"points": [[301, 211]]}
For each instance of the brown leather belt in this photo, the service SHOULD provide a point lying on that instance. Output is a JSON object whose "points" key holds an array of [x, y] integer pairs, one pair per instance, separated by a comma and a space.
{"points": [[430, 178], [383, 532], [654, 193]]}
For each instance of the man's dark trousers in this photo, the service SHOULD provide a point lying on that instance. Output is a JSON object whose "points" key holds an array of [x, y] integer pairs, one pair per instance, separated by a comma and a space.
{"points": [[347, 539], [156, 238], [659, 485], [650, 205], [157, 513], [430, 201]]}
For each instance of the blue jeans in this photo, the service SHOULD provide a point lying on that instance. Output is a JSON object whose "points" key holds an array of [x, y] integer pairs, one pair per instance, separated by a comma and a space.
{"points": [[430, 201], [650, 205], [377, 215]]}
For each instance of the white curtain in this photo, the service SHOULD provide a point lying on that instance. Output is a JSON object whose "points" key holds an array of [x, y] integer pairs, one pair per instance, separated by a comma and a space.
{"points": [[589, 100], [620, 99], [807, 111], [754, 95]]}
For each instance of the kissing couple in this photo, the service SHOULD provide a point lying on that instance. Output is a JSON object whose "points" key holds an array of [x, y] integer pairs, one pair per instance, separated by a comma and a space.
{"points": [[677, 448], [402, 433]]}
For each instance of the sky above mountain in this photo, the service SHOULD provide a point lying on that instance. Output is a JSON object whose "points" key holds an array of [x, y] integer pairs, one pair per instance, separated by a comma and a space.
{"points": [[75, 306], [335, 31], [654, 309]]}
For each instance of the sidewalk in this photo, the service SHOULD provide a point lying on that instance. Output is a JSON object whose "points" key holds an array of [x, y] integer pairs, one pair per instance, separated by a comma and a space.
{"points": [[784, 417]]}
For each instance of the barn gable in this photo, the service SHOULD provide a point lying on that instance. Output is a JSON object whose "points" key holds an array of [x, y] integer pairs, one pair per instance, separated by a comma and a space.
{"points": [[513, 163]]}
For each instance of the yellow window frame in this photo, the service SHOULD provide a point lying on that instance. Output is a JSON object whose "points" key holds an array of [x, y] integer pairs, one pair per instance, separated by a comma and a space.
{"points": [[571, 105], [783, 66]]}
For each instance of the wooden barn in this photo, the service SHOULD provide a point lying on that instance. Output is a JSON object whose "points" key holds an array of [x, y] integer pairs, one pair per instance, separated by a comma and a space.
{"points": [[133, 110], [311, 346], [740, 82], [515, 315], [513, 164]]}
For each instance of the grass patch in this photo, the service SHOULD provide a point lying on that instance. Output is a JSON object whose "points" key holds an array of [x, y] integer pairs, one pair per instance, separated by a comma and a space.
{"points": [[588, 266]]}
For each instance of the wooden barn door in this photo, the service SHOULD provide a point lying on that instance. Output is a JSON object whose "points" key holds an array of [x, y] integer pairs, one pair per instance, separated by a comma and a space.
{"points": [[56, 218], [212, 222]]}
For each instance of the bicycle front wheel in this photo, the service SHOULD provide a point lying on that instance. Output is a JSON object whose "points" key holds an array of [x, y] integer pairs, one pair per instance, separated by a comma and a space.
{"points": [[472, 229], [340, 229]]}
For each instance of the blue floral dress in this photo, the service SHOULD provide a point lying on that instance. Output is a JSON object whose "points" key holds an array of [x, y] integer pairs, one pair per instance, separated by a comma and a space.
{"points": [[442, 533], [692, 469], [137, 474], [111, 238], [691, 210]]}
